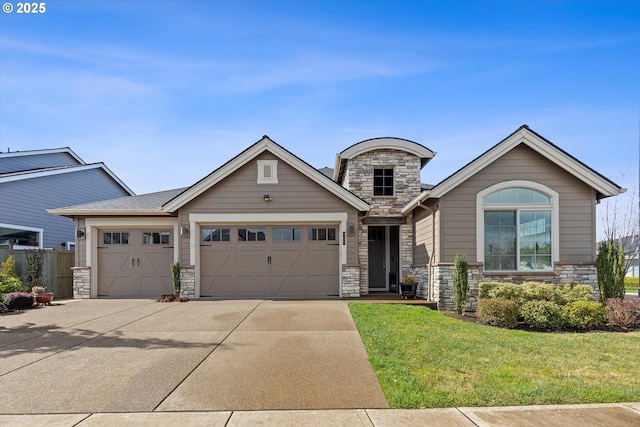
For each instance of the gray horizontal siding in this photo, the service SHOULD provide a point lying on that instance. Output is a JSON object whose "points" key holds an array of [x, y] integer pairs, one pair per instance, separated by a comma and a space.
{"points": [[294, 193], [36, 161], [25, 202], [577, 219]]}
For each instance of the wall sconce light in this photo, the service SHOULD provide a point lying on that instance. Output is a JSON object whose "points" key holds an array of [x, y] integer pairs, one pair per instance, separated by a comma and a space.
{"points": [[184, 230], [350, 229], [266, 198], [79, 233]]}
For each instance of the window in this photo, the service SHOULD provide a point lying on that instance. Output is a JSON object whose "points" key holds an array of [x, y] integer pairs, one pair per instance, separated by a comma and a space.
{"points": [[215, 234], [267, 171], [21, 237], [115, 238], [286, 234], [383, 182], [322, 234], [251, 235], [517, 228], [155, 238]]}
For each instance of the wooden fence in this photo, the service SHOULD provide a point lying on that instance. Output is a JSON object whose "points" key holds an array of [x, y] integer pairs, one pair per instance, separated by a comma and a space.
{"points": [[56, 270]]}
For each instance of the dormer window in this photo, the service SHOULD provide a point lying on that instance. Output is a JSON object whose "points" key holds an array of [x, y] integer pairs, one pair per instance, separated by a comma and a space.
{"points": [[383, 182], [267, 171]]}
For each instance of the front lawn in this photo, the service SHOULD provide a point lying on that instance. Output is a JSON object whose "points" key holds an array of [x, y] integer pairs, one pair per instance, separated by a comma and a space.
{"points": [[425, 359]]}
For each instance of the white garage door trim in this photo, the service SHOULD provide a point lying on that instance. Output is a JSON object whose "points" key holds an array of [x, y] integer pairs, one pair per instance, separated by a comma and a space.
{"points": [[94, 224], [195, 219]]}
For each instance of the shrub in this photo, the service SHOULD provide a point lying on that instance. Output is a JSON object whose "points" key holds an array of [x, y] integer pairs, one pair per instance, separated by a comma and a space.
{"points": [[631, 282], [498, 312], [610, 267], [10, 283], [509, 291], [573, 292], [18, 300], [535, 291], [584, 314], [460, 282], [542, 315], [485, 288], [7, 266], [622, 313]]}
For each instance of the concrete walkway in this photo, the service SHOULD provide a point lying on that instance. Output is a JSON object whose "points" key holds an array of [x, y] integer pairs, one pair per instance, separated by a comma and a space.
{"points": [[608, 415], [229, 363]]}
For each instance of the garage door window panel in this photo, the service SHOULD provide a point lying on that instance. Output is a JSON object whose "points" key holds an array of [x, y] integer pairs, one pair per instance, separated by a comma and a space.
{"points": [[215, 235], [252, 235], [322, 234], [115, 238], [287, 234], [156, 238]]}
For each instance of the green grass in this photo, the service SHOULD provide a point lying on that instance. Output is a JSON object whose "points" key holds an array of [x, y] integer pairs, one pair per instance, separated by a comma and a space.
{"points": [[631, 289], [425, 359]]}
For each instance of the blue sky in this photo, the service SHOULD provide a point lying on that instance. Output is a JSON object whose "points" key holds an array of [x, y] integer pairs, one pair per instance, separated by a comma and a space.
{"points": [[164, 92]]}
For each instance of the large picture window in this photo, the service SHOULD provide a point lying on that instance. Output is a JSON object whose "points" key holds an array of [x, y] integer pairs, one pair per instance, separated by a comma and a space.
{"points": [[518, 229]]}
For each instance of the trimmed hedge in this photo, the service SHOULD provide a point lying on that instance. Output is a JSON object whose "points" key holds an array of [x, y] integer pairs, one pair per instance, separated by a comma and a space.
{"points": [[541, 306], [542, 315], [584, 314], [500, 312]]}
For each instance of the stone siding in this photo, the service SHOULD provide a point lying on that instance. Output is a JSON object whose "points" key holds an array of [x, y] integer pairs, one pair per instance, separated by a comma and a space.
{"points": [[81, 282], [188, 281], [441, 283], [358, 178], [350, 281]]}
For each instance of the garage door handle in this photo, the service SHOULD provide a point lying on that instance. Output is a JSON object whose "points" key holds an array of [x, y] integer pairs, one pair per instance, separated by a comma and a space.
{"points": [[138, 262]]}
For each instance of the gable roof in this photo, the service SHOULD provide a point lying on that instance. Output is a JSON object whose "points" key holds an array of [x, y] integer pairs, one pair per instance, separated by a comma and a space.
{"points": [[384, 143], [264, 144], [67, 150], [144, 204], [58, 170], [523, 135]]}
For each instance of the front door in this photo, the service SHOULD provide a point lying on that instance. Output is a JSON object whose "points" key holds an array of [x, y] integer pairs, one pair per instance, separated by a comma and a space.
{"points": [[384, 255]]}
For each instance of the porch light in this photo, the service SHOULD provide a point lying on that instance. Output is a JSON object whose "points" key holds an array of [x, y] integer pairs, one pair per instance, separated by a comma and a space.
{"points": [[266, 198]]}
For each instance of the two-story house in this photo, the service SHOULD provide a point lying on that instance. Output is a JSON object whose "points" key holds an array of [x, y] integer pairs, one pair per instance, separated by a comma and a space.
{"points": [[266, 224], [36, 180]]}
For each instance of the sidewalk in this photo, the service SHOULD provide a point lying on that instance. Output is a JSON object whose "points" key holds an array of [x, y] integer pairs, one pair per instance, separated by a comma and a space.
{"points": [[605, 415]]}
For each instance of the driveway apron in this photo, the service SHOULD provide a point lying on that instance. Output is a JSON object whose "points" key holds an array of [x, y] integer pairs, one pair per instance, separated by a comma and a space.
{"points": [[140, 355]]}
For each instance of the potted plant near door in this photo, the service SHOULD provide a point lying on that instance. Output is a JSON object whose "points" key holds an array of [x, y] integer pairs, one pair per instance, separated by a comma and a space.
{"points": [[408, 287]]}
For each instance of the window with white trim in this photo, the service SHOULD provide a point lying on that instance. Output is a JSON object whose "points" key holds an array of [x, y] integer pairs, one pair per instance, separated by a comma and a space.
{"points": [[518, 227], [267, 171]]}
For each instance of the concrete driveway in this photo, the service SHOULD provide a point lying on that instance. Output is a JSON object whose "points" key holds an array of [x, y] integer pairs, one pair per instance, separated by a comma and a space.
{"points": [[140, 355]]}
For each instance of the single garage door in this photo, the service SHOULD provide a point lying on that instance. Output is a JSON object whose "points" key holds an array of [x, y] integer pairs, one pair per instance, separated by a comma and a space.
{"points": [[134, 263], [269, 261]]}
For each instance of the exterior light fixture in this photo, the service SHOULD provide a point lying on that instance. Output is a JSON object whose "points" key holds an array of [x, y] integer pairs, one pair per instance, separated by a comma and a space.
{"points": [[266, 198]]}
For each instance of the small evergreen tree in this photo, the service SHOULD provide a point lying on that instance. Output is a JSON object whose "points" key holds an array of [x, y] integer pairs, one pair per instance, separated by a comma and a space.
{"points": [[175, 277], [610, 266], [460, 282]]}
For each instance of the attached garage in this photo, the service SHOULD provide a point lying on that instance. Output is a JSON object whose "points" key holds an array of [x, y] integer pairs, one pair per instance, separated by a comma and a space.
{"points": [[134, 262], [269, 261]]}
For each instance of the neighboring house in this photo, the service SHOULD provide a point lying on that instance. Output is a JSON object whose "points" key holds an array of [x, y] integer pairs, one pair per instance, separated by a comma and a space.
{"points": [[268, 225], [33, 181]]}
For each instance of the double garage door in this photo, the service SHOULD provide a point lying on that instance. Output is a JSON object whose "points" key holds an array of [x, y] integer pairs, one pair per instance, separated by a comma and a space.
{"points": [[278, 261], [134, 263]]}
